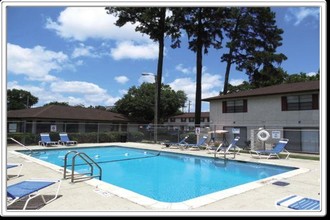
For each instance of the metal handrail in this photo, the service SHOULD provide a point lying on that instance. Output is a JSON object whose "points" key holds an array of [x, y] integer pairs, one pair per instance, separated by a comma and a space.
{"points": [[84, 157], [19, 143], [65, 162]]}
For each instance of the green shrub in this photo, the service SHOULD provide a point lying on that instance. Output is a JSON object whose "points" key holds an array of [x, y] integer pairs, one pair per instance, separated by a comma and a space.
{"points": [[25, 138], [135, 136]]}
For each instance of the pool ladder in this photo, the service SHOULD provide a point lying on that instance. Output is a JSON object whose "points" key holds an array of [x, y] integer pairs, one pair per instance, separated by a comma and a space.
{"points": [[75, 176]]}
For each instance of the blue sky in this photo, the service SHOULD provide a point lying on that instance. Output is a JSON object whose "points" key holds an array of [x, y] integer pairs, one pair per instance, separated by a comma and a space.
{"points": [[77, 55]]}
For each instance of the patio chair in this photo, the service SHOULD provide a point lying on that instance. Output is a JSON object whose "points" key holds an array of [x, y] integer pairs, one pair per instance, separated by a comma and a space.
{"points": [[30, 189], [45, 140], [226, 149], [64, 139], [197, 146], [176, 144], [299, 203], [279, 147], [15, 165]]}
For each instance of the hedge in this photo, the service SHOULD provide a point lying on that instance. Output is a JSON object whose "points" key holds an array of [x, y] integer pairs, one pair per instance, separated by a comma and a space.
{"points": [[93, 137]]}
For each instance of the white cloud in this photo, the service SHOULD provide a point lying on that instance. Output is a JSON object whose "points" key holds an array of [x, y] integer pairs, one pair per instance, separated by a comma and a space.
{"points": [[42, 92], [311, 74], [36, 63], [236, 82], [84, 51], [74, 93], [76, 87], [185, 84], [211, 86], [130, 50], [185, 70], [82, 23], [298, 14], [121, 79], [79, 62], [147, 77], [189, 70], [34, 90], [123, 91], [91, 94]]}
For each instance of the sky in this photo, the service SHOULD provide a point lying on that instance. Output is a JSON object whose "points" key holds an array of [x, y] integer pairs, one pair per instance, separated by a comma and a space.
{"points": [[77, 55]]}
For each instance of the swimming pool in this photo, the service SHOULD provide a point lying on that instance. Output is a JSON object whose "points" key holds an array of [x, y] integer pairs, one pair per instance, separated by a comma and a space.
{"points": [[164, 176]]}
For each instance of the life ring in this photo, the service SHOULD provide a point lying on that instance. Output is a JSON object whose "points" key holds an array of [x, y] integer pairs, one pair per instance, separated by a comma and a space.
{"points": [[263, 135]]}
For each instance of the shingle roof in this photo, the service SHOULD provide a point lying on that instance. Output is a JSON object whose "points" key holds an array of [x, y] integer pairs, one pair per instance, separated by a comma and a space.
{"points": [[272, 90], [192, 115], [67, 113]]}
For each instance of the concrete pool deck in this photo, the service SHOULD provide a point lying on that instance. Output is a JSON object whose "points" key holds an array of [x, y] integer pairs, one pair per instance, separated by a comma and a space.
{"points": [[93, 197]]}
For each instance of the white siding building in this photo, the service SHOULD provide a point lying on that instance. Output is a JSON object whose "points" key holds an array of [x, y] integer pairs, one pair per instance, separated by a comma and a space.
{"points": [[186, 121], [291, 110]]}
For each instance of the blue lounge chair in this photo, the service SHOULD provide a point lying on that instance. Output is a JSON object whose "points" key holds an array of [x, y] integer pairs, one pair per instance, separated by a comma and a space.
{"points": [[15, 165], [279, 147], [176, 144], [45, 140], [226, 149], [30, 189], [65, 139], [299, 203], [197, 146]]}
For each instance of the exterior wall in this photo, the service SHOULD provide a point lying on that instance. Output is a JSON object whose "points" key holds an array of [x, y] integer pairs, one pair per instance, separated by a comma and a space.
{"points": [[185, 125], [263, 112], [38, 126], [106, 127]]}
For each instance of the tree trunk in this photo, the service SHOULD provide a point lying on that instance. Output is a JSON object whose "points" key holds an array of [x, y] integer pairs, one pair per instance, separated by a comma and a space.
{"points": [[199, 57], [160, 59], [225, 86]]}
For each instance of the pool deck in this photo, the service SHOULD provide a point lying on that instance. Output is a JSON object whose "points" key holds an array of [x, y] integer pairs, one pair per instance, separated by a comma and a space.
{"points": [[95, 198]]}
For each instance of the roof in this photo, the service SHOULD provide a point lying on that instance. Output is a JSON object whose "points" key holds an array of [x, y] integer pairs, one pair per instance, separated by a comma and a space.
{"points": [[192, 115], [67, 113], [284, 88]]}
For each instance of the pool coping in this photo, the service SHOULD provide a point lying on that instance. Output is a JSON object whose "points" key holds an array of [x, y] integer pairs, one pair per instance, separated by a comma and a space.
{"points": [[109, 189]]}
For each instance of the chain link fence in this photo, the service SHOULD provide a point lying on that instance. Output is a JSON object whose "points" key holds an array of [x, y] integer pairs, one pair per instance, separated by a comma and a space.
{"points": [[304, 140]]}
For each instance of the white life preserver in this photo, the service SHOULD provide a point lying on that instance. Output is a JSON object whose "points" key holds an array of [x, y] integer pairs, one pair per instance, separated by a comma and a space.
{"points": [[263, 135]]}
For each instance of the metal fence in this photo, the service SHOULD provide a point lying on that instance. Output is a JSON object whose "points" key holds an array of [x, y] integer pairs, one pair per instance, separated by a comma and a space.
{"points": [[304, 140]]}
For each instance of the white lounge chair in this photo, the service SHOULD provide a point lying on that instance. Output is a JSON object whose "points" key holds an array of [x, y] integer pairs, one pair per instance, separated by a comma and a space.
{"points": [[64, 139], [30, 189], [45, 140], [279, 147], [226, 149], [299, 203], [176, 144], [197, 146], [15, 166]]}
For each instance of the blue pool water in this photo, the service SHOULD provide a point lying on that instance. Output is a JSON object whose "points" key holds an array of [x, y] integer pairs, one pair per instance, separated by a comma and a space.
{"points": [[166, 177]]}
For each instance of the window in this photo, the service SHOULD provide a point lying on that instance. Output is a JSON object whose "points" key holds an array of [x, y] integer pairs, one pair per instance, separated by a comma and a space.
{"points": [[304, 140], [300, 102], [91, 127], [183, 119], [191, 119], [234, 106], [172, 119]]}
